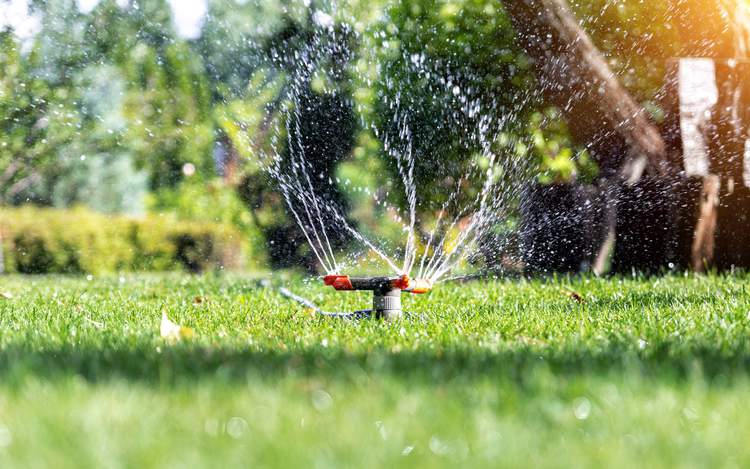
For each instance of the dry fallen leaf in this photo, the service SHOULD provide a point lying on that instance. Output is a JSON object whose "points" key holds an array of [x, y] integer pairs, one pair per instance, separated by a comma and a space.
{"points": [[173, 331], [573, 295], [199, 300]]}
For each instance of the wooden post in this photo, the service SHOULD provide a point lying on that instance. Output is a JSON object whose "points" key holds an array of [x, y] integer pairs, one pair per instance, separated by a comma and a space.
{"points": [[688, 98], [704, 241], [707, 107]]}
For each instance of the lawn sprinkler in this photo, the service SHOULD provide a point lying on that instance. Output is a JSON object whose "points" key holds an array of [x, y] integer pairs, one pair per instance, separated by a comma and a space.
{"points": [[386, 299]]}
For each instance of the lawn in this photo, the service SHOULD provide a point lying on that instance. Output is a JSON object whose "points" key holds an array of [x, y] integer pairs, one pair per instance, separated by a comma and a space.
{"points": [[516, 373]]}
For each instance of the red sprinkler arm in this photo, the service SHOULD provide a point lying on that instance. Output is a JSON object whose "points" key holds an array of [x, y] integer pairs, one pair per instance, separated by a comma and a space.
{"points": [[339, 282]]}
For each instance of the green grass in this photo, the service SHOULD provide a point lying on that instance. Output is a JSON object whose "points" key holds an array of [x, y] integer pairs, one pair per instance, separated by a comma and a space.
{"points": [[652, 372]]}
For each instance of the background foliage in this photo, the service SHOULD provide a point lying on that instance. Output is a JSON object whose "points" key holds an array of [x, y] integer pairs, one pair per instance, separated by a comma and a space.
{"points": [[37, 241], [114, 110]]}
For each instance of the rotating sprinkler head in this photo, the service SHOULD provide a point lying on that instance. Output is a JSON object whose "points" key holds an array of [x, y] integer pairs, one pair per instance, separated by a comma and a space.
{"points": [[386, 302]]}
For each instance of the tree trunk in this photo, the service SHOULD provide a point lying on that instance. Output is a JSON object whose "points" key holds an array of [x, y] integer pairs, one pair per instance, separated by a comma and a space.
{"points": [[575, 77]]}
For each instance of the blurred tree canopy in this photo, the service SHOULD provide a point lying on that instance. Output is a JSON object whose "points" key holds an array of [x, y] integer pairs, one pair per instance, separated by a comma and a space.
{"points": [[113, 109]]}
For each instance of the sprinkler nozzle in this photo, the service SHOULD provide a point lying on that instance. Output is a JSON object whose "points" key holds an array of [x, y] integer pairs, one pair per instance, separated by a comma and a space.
{"points": [[419, 286]]}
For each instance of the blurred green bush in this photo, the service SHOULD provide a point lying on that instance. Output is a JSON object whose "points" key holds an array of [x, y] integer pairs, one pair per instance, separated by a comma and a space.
{"points": [[36, 241]]}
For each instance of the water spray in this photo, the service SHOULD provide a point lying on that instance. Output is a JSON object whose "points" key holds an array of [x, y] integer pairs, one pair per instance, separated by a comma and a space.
{"points": [[465, 219]]}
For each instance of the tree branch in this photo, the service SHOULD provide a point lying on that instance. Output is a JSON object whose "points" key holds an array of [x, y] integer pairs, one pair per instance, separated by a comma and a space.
{"points": [[575, 77]]}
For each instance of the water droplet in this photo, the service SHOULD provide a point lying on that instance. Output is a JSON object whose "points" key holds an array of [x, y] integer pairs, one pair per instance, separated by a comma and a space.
{"points": [[321, 400], [582, 408], [236, 427]]}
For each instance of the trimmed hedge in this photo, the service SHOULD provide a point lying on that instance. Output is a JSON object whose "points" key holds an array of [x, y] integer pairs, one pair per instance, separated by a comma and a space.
{"points": [[36, 240]]}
